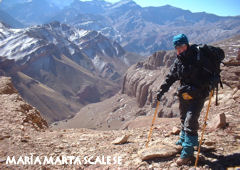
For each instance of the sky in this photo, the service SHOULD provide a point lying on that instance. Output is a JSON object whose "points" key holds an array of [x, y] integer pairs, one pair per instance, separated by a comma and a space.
{"points": [[218, 7]]}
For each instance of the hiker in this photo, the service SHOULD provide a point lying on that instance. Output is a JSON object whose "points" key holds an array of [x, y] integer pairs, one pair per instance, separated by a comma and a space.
{"points": [[195, 84]]}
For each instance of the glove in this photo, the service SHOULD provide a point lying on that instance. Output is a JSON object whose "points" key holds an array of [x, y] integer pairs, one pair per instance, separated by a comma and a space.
{"points": [[186, 96], [159, 95]]}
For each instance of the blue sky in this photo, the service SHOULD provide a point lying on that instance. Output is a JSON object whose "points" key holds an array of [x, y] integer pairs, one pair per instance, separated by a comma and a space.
{"points": [[218, 7]]}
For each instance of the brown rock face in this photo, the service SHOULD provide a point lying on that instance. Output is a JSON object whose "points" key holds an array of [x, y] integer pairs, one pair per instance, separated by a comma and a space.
{"points": [[231, 68], [231, 73], [144, 79], [6, 86], [15, 112]]}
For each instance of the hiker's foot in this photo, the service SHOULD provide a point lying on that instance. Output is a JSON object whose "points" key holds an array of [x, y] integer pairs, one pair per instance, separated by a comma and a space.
{"points": [[183, 161]]}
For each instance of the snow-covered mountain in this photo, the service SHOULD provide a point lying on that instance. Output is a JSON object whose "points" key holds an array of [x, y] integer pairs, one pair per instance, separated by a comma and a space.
{"points": [[30, 12], [145, 30], [142, 30], [96, 50], [55, 64]]}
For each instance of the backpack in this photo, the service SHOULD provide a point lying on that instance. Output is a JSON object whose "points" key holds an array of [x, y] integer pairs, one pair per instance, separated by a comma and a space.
{"points": [[210, 59]]}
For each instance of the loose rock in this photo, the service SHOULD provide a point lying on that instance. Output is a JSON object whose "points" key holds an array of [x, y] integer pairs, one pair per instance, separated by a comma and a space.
{"points": [[209, 143], [218, 121], [160, 151], [2, 160], [175, 131], [121, 140]]}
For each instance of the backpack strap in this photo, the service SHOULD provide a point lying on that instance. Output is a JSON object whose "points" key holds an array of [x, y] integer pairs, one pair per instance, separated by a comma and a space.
{"points": [[216, 94], [199, 58]]}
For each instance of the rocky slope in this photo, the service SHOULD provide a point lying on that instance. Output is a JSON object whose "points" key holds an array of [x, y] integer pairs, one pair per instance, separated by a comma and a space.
{"points": [[140, 84], [17, 116], [59, 68], [23, 132], [135, 99]]}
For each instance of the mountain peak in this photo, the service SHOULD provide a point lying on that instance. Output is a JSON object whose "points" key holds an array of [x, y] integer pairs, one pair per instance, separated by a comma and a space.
{"points": [[4, 25], [98, 2], [124, 3]]}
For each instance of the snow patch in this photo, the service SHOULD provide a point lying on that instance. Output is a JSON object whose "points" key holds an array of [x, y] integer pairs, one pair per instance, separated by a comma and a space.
{"points": [[98, 62], [125, 60], [71, 50]]}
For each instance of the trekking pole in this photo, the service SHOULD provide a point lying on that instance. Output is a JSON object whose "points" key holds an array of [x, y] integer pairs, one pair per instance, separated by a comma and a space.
{"points": [[204, 126], [151, 128], [216, 96]]}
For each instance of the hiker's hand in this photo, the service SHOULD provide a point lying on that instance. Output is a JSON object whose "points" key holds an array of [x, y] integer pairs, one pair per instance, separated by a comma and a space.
{"points": [[159, 95]]}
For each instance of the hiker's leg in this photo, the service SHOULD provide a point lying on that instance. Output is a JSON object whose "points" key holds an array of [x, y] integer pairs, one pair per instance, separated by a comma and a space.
{"points": [[191, 126], [183, 110]]}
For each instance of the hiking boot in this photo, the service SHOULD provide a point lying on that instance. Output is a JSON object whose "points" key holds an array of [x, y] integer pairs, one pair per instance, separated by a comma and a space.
{"points": [[183, 161], [188, 149]]}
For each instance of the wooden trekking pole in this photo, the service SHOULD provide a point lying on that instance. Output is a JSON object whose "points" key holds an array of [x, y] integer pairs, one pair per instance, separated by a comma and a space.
{"points": [[204, 126], [151, 128]]}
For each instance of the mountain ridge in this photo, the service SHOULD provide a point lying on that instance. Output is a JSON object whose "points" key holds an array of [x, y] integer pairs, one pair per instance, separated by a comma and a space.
{"points": [[138, 29], [59, 68]]}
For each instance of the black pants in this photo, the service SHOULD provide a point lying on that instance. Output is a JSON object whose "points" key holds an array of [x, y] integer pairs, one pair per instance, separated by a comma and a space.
{"points": [[189, 113]]}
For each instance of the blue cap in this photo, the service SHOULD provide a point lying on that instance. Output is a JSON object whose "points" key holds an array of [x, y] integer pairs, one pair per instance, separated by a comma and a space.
{"points": [[180, 39]]}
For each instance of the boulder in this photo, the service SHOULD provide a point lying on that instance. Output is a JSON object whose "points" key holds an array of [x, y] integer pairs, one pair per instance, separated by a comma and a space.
{"points": [[219, 121], [158, 151]]}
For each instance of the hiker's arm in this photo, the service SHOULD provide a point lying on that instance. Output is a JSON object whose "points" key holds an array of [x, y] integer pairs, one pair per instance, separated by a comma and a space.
{"points": [[171, 77]]}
